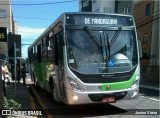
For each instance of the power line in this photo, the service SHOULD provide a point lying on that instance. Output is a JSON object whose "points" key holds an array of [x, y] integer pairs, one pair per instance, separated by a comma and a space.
{"points": [[33, 18], [144, 23], [51, 3], [29, 18], [25, 44]]}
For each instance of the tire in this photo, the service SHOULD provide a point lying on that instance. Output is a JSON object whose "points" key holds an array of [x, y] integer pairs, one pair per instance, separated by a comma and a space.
{"points": [[55, 95]]}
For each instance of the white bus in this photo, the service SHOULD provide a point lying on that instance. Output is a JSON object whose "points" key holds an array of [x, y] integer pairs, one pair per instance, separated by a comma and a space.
{"points": [[85, 58]]}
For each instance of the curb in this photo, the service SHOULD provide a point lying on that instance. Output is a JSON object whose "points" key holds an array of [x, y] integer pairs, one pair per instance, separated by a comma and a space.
{"points": [[149, 87]]}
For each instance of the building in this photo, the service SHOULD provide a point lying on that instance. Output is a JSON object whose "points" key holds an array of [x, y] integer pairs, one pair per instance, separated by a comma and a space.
{"points": [[7, 21], [154, 55], [85, 5], [103, 6], [6, 15], [146, 15], [106, 6]]}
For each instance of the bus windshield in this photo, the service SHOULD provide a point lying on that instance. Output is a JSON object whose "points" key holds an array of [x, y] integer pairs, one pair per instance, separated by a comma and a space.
{"points": [[96, 51]]}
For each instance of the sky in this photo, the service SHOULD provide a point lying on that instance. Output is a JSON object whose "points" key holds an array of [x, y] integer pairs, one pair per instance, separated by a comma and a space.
{"points": [[34, 19]]}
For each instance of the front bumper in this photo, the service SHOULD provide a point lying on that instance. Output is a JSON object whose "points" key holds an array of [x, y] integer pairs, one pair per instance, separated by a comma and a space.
{"points": [[96, 97]]}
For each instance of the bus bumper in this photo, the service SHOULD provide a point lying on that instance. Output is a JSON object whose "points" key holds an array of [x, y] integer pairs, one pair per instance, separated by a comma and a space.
{"points": [[76, 97]]}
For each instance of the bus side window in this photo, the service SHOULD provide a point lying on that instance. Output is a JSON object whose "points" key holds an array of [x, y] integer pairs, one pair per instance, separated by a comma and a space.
{"points": [[72, 59], [39, 53], [51, 47], [59, 48], [56, 52]]}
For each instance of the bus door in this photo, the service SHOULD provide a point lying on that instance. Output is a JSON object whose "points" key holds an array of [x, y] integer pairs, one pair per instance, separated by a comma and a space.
{"points": [[59, 61]]}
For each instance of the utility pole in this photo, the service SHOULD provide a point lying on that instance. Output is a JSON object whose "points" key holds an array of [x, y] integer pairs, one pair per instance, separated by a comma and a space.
{"points": [[15, 69]]}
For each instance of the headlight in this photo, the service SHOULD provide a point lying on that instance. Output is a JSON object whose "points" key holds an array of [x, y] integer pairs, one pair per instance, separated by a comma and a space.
{"points": [[74, 85], [136, 82]]}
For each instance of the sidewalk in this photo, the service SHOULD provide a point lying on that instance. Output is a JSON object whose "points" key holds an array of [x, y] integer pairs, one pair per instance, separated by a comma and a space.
{"points": [[21, 95]]}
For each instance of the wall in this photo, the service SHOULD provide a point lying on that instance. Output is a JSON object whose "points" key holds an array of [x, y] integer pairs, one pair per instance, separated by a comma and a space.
{"points": [[144, 27], [154, 56], [148, 24], [106, 6], [6, 22]]}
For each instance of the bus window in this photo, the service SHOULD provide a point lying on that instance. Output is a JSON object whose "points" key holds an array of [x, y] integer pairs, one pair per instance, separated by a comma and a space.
{"points": [[39, 53], [59, 48], [89, 58]]}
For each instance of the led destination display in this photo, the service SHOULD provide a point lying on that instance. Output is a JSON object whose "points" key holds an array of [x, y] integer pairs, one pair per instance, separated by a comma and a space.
{"points": [[101, 19]]}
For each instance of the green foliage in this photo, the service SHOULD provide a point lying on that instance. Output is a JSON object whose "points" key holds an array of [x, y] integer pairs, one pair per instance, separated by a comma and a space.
{"points": [[11, 104]]}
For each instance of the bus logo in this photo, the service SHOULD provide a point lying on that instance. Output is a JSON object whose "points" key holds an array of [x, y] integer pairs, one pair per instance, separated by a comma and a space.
{"points": [[106, 76], [108, 87]]}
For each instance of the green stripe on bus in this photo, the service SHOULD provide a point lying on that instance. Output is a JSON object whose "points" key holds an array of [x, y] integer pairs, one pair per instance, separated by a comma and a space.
{"points": [[40, 70], [118, 85]]}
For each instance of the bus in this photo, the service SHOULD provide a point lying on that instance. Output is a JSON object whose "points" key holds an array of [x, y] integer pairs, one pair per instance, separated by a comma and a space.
{"points": [[86, 58]]}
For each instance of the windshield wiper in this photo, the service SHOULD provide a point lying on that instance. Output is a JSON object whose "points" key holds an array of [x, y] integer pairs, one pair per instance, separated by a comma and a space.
{"points": [[107, 50], [108, 46], [93, 37], [115, 36], [102, 49]]}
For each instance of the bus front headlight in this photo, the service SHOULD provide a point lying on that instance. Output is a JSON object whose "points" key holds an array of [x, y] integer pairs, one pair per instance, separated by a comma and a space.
{"points": [[136, 82], [74, 85]]}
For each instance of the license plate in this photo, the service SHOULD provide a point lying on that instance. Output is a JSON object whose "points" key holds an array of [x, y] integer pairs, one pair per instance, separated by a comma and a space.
{"points": [[108, 100]]}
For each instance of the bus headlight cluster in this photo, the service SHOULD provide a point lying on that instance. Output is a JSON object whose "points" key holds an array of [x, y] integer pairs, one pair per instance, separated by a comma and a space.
{"points": [[136, 81], [75, 97], [74, 85]]}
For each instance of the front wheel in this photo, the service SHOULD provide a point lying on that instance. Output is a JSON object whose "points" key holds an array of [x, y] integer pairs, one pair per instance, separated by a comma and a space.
{"points": [[55, 94]]}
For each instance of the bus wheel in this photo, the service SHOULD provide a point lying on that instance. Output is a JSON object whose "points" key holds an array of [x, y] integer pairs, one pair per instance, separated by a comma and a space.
{"points": [[55, 95]]}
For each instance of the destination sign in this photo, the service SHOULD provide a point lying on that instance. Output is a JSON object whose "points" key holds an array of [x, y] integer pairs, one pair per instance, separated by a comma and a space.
{"points": [[3, 34], [98, 19]]}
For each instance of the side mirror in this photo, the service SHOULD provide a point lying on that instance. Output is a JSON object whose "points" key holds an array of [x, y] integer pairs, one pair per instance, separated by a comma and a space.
{"points": [[140, 49]]}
